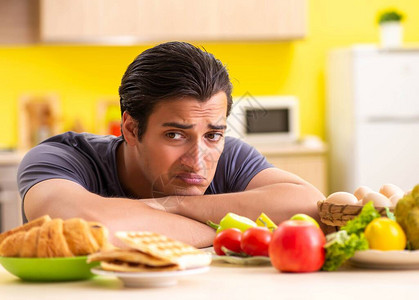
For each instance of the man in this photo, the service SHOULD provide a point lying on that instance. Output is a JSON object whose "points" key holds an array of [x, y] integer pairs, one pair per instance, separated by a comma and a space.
{"points": [[172, 170]]}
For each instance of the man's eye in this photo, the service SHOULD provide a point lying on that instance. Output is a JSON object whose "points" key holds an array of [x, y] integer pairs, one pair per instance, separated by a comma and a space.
{"points": [[214, 136], [174, 135]]}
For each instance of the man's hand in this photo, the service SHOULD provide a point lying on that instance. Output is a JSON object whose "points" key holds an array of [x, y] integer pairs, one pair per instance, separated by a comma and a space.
{"points": [[166, 204]]}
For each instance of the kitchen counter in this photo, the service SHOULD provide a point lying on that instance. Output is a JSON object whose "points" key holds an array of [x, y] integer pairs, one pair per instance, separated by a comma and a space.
{"points": [[232, 282]]}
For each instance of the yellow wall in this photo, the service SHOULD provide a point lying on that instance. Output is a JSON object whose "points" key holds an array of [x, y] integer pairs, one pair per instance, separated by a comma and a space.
{"points": [[82, 75]]}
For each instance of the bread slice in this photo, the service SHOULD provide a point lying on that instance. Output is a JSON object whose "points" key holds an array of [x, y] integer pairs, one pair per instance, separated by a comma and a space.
{"points": [[117, 266], [165, 248], [78, 236], [12, 244], [30, 243], [128, 256], [25, 227], [51, 241]]}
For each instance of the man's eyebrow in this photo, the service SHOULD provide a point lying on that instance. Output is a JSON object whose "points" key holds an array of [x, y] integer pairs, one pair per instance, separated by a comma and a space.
{"points": [[189, 126], [217, 127], [178, 125]]}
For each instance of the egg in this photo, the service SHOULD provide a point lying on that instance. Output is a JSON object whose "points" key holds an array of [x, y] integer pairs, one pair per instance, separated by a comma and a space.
{"points": [[342, 198], [362, 191], [395, 198], [359, 203], [378, 199], [390, 189]]}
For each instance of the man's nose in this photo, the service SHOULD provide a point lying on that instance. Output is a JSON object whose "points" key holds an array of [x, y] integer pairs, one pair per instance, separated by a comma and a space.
{"points": [[194, 157]]}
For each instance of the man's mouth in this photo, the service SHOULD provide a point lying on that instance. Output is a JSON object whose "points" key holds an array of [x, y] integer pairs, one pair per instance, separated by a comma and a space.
{"points": [[191, 178]]}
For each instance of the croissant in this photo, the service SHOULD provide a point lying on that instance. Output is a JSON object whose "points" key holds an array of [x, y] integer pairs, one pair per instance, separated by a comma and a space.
{"points": [[44, 237]]}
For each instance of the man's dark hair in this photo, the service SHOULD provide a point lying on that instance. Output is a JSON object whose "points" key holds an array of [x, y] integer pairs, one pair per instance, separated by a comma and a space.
{"points": [[173, 69]]}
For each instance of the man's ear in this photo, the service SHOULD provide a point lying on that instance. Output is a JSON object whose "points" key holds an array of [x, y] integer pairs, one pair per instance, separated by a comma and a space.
{"points": [[129, 128]]}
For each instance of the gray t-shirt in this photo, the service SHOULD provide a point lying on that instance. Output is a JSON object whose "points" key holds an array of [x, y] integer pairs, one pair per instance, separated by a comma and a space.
{"points": [[90, 160]]}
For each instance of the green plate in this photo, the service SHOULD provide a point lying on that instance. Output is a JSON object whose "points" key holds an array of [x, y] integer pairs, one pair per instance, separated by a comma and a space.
{"points": [[49, 269]]}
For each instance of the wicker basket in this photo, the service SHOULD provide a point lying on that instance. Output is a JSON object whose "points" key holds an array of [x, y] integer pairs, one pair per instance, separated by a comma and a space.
{"points": [[338, 215]]}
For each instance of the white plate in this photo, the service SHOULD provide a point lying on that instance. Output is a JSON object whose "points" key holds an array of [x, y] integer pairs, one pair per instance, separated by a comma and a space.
{"points": [[150, 279], [377, 259], [253, 260]]}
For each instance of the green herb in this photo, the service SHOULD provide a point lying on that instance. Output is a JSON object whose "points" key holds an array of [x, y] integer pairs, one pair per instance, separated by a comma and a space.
{"points": [[358, 224], [340, 247]]}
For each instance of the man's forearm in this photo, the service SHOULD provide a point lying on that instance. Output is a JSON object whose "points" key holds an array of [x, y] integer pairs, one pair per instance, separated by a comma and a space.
{"points": [[136, 216], [277, 193], [279, 201], [117, 214]]}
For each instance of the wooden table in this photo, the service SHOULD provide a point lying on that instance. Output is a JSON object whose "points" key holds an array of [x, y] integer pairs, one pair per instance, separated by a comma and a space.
{"points": [[232, 282]]}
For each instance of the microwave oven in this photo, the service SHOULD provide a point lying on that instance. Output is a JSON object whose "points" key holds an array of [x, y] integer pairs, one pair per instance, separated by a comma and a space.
{"points": [[264, 119]]}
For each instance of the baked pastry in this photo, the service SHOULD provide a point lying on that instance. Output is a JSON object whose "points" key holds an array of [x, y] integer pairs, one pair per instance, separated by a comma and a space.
{"points": [[29, 246], [100, 234], [25, 227], [79, 238], [150, 252], [13, 245], [51, 240], [55, 238]]}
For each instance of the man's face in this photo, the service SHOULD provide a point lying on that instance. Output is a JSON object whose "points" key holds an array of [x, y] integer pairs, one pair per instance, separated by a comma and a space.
{"points": [[179, 151]]}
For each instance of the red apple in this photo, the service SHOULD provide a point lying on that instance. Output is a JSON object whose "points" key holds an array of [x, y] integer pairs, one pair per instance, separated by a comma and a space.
{"points": [[297, 246]]}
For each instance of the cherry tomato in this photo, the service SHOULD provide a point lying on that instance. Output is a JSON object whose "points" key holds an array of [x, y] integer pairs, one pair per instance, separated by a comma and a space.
{"points": [[255, 241], [229, 238]]}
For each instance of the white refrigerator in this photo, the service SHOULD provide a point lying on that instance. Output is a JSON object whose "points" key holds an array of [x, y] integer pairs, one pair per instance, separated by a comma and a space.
{"points": [[373, 117]]}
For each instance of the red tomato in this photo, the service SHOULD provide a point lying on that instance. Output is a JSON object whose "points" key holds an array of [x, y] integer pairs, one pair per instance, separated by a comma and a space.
{"points": [[229, 238], [297, 246], [255, 241]]}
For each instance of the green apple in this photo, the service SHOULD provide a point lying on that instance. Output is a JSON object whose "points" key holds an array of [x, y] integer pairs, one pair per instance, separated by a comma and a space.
{"points": [[305, 217]]}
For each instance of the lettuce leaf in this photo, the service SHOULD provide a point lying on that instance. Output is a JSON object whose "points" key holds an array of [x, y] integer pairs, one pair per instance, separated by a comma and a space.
{"points": [[358, 224], [341, 246]]}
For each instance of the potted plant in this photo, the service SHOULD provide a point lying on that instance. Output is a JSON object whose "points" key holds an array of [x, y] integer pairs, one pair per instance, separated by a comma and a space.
{"points": [[391, 30]]}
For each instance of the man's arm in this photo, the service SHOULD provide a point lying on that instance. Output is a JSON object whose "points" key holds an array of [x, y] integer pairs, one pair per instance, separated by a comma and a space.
{"points": [[62, 198], [277, 193]]}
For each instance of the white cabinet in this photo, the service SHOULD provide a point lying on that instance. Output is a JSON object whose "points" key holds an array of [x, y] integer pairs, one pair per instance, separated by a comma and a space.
{"points": [[373, 117]]}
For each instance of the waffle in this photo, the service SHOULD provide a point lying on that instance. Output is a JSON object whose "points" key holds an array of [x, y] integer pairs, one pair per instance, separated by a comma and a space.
{"points": [[183, 255], [130, 256], [118, 266]]}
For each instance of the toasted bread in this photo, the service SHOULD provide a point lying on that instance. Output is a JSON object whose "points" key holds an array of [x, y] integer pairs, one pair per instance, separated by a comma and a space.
{"points": [[162, 247]]}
